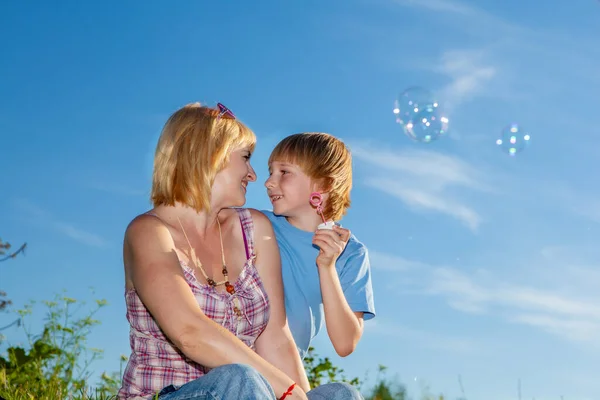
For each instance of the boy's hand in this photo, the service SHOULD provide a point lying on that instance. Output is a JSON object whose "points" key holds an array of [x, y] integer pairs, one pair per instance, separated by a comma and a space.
{"points": [[332, 243]]}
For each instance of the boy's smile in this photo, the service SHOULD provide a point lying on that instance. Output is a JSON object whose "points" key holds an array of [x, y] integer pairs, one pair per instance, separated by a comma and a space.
{"points": [[275, 197]]}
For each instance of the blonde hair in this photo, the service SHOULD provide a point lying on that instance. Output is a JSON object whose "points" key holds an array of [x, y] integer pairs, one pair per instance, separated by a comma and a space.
{"points": [[326, 160], [194, 145]]}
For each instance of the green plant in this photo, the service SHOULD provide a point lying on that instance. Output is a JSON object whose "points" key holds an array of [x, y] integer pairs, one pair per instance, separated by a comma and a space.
{"points": [[55, 364], [4, 248], [321, 370], [384, 389]]}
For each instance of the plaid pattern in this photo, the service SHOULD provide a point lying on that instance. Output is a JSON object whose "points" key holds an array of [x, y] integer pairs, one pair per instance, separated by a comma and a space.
{"points": [[155, 363]]}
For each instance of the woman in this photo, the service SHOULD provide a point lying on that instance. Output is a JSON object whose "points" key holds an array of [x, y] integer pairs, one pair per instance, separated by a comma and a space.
{"points": [[204, 292]]}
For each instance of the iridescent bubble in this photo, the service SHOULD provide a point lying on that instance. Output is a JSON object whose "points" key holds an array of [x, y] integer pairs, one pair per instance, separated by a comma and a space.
{"points": [[420, 115], [513, 139]]}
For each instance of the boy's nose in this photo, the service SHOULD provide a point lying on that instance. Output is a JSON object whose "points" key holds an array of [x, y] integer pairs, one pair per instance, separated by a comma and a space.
{"points": [[269, 183]]}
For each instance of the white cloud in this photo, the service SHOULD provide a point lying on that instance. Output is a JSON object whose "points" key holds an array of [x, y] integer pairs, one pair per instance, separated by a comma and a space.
{"points": [[587, 207], [579, 201], [486, 294], [419, 199], [426, 182], [470, 75], [444, 6], [39, 216], [422, 338], [115, 189], [435, 169], [388, 262], [80, 235], [577, 330], [466, 17], [568, 308]]}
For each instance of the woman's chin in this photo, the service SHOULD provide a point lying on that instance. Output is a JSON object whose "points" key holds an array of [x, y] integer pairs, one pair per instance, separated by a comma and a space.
{"points": [[239, 202]]}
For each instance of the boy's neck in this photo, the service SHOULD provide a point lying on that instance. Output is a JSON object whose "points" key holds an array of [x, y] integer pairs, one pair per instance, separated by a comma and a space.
{"points": [[306, 222]]}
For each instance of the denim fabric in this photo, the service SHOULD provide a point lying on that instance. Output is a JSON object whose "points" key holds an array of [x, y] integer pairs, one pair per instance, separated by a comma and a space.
{"points": [[227, 382], [242, 382], [335, 391]]}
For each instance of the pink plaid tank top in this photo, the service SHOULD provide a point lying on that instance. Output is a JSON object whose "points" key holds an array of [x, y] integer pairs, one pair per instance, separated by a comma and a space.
{"points": [[155, 363]]}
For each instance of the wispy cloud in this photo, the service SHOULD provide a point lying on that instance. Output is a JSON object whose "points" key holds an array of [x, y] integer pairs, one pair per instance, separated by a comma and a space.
{"points": [[426, 182], [79, 235], [423, 338], [39, 216], [113, 188], [464, 289], [567, 308], [470, 74], [388, 262], [464, 16], [442, 6], [508, 48], [578, 200], [583, 205], [420, 199], [573, 329]]}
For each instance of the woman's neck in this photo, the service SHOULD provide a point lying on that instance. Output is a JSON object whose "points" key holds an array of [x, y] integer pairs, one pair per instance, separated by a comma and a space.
{"points": [[202, 223]]}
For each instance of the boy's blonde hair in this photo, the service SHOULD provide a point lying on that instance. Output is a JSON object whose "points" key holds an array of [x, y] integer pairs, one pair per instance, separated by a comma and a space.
{"points": [[326, 160], [194, 145]]}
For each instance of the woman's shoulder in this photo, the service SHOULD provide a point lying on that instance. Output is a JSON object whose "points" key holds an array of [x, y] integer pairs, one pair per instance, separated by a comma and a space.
{"points": [[243, 212], [144, 227], [260, 220]]}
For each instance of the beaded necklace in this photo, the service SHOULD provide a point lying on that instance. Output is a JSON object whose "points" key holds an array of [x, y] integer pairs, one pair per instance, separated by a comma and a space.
{"points": [[228, 286]]}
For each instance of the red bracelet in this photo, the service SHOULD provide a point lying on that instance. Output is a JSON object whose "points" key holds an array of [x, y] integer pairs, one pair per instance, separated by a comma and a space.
{"points": [[288, 392]]}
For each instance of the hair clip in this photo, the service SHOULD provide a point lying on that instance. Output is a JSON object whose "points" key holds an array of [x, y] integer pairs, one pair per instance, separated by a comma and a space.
{"points": [[223, 110]]}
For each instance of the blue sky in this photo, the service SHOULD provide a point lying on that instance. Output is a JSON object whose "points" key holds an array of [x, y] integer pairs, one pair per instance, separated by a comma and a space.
{"points": [[484, 265]]}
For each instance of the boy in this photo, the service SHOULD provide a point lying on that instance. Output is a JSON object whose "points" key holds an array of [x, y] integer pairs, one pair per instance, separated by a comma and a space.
{"points": [[339, 285]]}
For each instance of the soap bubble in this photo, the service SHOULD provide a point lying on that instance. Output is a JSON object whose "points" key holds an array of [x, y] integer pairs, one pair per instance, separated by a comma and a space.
{"points": [[513, 139], [420, 115]]}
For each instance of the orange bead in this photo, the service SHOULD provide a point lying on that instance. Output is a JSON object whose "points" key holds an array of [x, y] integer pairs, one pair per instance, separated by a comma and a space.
{"points": [[229, 287]]}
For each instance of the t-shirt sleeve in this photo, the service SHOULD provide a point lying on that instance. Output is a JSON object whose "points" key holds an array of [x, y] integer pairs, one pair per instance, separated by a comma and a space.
{"points": [[355, 279]]}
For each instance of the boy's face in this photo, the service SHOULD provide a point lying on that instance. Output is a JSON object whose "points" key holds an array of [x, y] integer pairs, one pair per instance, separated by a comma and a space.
{"points": [[289, 189]]}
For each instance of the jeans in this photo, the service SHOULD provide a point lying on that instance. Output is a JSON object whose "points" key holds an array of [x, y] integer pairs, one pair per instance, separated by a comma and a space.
{"points": [[227, 382], [242, 382], [335, 391]]}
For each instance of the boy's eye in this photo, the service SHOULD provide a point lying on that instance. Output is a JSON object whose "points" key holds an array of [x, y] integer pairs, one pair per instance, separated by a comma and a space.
{"points": [[283, 172]]}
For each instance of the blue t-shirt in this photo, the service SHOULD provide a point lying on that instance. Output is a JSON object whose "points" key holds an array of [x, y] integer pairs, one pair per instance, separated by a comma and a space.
{"points": [[302, 289]]}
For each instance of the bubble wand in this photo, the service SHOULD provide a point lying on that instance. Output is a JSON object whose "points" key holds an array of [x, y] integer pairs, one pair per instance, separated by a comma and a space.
{"points": [[316, 200]]}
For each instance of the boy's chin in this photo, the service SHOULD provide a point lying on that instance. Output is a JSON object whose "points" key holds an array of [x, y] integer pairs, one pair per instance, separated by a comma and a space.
{"points": [[279, 211]]}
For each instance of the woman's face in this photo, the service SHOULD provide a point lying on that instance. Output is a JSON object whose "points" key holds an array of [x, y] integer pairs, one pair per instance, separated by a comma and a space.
{"points": [[229, 188]]}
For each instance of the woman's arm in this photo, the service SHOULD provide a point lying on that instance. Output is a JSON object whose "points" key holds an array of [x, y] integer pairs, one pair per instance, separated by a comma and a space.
{"points": [[153, 268], [276, 343]]}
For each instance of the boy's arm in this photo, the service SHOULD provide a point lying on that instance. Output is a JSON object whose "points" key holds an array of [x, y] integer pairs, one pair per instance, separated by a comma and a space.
{"points": [[344, 326]]}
